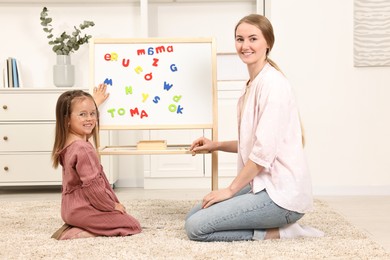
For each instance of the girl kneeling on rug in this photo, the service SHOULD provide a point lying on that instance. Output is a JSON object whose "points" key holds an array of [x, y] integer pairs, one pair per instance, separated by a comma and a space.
{"points": [[89, 205], [272, 189]]}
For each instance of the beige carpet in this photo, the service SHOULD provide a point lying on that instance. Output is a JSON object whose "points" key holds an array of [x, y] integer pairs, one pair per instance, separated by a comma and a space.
{"points": [[26, 228]]}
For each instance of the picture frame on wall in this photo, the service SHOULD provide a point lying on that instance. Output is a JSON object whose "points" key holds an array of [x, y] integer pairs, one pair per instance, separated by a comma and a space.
{"points": [[371, 33]]}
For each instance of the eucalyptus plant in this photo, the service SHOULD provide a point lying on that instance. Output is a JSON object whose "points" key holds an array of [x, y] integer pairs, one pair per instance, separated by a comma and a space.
{"points": [[65, 43]]}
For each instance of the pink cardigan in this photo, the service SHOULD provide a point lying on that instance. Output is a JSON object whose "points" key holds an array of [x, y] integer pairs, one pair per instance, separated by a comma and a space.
{"points": [[88, 201]]}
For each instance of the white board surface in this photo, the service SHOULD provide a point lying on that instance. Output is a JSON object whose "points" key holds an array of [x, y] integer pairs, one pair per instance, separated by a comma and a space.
{"points": [[155, 82]]}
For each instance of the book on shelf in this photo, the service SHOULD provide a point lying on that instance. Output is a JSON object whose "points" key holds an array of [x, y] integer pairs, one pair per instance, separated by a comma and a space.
{"points": [[10, 76], [15, 77], [4, 72], [11, 73]]}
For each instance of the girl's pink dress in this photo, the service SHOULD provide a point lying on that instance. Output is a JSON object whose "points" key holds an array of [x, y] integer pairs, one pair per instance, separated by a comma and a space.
{"points": [[88, 201]]}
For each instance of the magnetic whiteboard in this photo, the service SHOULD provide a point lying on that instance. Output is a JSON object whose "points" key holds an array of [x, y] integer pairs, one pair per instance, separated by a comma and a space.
{"points": [[155, 83]]}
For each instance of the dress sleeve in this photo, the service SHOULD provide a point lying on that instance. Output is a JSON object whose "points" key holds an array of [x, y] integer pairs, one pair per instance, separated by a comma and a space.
{"points": [[93, 183]]}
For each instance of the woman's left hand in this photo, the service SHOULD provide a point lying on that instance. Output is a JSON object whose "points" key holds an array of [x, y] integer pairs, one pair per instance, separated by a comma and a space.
{"points": [[216, 196]]}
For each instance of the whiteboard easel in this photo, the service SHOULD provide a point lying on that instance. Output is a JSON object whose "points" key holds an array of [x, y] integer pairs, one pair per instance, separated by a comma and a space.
{"points": [[156, 83]]}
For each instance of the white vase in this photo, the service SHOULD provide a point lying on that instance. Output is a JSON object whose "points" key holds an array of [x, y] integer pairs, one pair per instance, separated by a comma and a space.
{"points": [[63, 72]]}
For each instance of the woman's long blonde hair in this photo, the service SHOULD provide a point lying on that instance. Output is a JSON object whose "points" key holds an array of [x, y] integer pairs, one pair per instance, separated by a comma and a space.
{"points": [[265, 26], [64, 108]]}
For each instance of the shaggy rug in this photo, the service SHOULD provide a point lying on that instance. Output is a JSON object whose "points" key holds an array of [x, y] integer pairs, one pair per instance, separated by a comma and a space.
{"points": [[26, 228]]}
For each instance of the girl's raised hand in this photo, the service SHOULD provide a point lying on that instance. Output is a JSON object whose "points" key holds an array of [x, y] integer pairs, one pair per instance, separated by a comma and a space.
{"points": [[99, 94]]}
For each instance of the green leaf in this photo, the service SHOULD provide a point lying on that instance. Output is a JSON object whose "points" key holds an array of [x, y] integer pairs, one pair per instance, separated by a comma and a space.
{"points": [[65, 43]]}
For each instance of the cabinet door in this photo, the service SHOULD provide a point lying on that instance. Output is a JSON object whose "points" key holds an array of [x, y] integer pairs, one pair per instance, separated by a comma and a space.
{"points": [[25, 137], [183, 165], [28, 169], [227, 130], [25, 106], [109, 162]]}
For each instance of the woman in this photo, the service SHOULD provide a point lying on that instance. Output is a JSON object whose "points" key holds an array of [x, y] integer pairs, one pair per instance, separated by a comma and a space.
{"points": [[272, 189]]}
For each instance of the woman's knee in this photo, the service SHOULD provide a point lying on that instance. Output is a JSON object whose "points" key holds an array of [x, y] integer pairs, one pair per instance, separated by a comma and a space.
{"points": [[192, 229], [195, 209]]}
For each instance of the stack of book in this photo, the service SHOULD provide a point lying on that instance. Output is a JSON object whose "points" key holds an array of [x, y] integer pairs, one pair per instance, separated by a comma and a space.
{"points": [[11, 74]]}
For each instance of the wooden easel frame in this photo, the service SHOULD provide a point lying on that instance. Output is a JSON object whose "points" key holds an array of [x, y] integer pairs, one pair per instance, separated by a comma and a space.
{"points": [[171, 149]]}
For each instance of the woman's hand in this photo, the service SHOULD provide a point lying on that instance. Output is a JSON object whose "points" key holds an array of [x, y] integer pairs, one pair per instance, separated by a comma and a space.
{"points": [[216, 196], [120, 207], [99, 94], [203, 144]]}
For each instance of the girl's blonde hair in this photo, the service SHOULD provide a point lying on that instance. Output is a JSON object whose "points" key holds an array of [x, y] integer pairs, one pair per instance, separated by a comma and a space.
{"points": [[265, 26], [64, 108]]}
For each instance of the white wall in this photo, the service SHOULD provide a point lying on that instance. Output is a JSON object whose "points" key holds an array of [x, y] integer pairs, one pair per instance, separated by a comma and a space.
{"points": [[24, 39], [344, 109]]}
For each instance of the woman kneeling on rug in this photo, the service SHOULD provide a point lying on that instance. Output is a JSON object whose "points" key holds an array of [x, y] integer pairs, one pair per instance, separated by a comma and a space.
{"points": [[89, 205], [272, 189]]}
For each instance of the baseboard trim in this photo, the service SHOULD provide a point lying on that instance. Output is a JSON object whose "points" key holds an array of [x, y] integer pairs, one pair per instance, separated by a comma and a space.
{"points": [[351, 190]]}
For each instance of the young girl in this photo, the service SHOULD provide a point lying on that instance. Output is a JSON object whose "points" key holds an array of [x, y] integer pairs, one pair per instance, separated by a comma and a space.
{"points": [[89, 205]]}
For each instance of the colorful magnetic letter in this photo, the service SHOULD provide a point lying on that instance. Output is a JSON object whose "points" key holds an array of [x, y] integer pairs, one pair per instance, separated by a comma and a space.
{"points": [[173, 68], [155, 61], [108, 81], [125, 62], [148, 76], [129, 90], [138, 69], [167, 86]]}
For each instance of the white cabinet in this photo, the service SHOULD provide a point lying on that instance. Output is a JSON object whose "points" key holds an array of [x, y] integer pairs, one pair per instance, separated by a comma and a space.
{"points": [[27, 123], [27, 128]]}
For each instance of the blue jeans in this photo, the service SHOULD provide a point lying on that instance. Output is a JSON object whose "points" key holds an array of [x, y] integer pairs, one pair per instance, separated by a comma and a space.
{"points": [[245, 216]]}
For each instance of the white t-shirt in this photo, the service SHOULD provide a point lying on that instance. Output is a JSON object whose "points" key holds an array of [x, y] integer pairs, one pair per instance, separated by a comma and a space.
{"points": [[269, 134]]}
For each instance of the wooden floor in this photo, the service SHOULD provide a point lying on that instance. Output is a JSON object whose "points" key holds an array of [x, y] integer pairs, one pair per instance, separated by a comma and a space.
{"points": [[369, 213]]}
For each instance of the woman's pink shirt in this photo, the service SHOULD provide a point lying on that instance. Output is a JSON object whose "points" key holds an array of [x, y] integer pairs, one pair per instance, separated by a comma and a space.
{"points": [[270, 135]]}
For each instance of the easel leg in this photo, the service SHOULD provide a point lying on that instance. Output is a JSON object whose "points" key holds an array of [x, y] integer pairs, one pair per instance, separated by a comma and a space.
{"points": [[214, 171]]}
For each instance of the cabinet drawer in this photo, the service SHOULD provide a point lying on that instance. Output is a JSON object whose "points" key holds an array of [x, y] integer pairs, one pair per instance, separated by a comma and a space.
{"points": [[27, 137], [28, 168], [28, 106]]}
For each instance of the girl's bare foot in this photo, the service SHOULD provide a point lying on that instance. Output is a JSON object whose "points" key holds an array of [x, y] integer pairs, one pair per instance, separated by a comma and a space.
{"points": [[272, 233], [76, 232]]}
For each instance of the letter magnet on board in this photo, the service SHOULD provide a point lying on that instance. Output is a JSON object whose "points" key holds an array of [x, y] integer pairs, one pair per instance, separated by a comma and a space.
{"points": [[167, 86], [125, 62], [138, 70], [108, 81]]}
